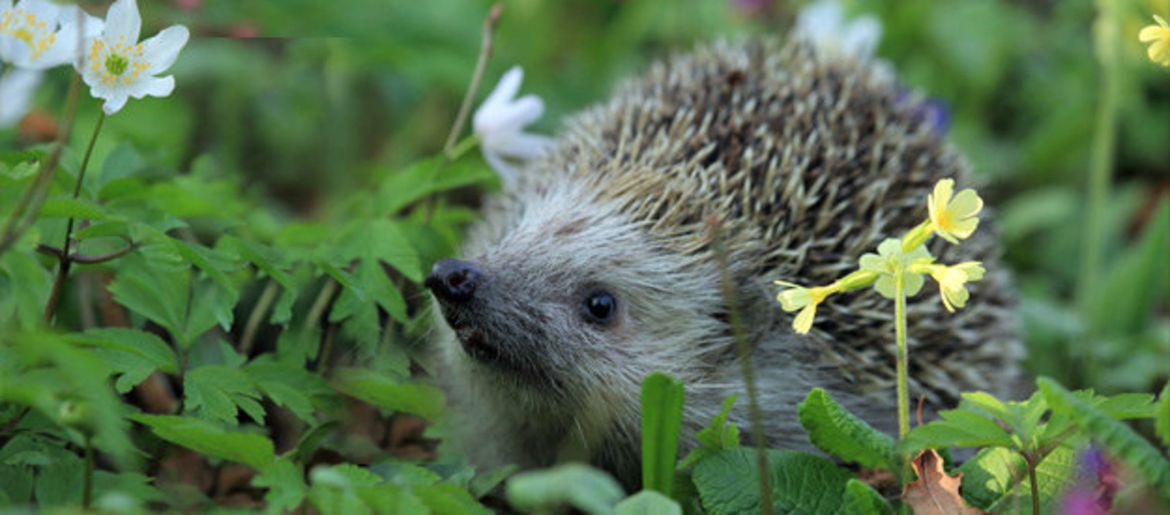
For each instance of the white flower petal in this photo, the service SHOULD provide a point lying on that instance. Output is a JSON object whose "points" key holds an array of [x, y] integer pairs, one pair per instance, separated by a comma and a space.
{"points": [[861, 37], [123, 23], [507, 88], [503, 169], [522, 145], [820, 21], [162, 50], [17, 87], [152, 86], [44, 11], [114, 102]]}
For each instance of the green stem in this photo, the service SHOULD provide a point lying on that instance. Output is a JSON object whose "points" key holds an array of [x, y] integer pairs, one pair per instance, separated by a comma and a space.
{"points": [[1032, 481], [902, 364], [1101, 159], [66, 261], [87, 489], [266, 299]]}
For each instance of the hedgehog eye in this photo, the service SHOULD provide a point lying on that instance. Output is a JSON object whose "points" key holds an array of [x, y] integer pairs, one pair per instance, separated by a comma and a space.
{"points": [[599, 307]]}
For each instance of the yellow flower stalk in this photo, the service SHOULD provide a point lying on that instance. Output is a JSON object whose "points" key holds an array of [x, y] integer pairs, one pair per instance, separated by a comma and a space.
{"points": [[1159, 37], [954, 217], [804, 299]]}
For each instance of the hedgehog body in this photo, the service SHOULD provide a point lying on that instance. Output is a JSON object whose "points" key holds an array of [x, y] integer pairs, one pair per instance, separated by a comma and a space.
{"points": [[806, 161]]}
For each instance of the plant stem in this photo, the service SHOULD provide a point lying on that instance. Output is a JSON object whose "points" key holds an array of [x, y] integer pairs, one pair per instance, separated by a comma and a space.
{"points": [[745, 360], [1032, 481], [903, 361], [87, 491], [1101, 158], [267, 297], [66, 261]]}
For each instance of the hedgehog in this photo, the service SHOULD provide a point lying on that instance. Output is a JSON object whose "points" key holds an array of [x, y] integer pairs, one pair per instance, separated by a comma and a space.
{"points": [[598, 265]]}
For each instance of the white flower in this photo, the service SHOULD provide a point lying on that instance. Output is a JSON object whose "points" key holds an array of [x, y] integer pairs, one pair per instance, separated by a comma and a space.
{"points": [[37, 34], [16, 91], [823, 23], [500, 121], [117, 66]]}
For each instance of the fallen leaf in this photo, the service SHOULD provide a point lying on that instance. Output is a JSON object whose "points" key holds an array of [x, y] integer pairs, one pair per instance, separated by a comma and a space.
{"points": [[934, 492]]}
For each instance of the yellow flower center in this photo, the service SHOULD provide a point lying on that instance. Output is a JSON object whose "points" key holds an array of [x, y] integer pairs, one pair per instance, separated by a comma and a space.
{"points": [[116, 63], [26, 27]]}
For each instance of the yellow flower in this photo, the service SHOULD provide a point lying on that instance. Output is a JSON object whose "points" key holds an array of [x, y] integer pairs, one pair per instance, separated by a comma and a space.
{"points": [[1159, 34], [891, 261], [952, 280], [804, 299], [954, 218]]}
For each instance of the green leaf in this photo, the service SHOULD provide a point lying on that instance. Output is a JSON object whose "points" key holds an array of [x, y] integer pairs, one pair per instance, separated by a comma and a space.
{"points": [[426, 177], [448, 499], [154, 292], [289, 384], [996, 479], [729, 482], [836, 431], [662, 404], [573, 484], [203, 437], [484, 483], [1135, 280], [1116, 437], [214, 392], [958, 428], [265, 258], [423, 400], [285, 483], [860, 499], [718, 435], [24, 290], [68, 207], [1162, 419], [212, 262], [132, 353], [648, 502]]}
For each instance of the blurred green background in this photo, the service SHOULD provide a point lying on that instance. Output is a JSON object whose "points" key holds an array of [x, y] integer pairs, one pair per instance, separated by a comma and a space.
{"points": [[305, 102]]}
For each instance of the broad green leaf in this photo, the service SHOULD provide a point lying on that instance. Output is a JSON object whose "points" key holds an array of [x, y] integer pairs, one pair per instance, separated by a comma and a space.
{"points": [[212, 262], [996, 478], [265, 258], [423, 400], [132, 353], [958, 428], [448, 499], [68, 207], [1162, 419], [160, 294], [381, 240], [24, 290], [648, 502], [1116, 437], [116, 488], [103, 230], [729, 482], [573, 484], [215, 392], [860, 499], [662, 404], [836, 431], [285, 483], [484, 483], [718, 435], [289, 384], [426, 177], [203, 437]]}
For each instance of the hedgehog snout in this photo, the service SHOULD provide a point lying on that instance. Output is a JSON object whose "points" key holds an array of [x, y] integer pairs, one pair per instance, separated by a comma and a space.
{"points": [[454, 280]]}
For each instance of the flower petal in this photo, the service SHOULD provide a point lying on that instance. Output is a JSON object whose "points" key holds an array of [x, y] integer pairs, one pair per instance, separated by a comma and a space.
{"points": [[794, 299], [885, 286], [912, 284], [123, 23], [162, 49], [522, 145], [152, 86], [966, 203], [943, 191], [804, 320], [17, 87], [506, 172], [1150, 33], [506, 89], [115, 102], [962, 229], [890, 248], [872, 262]]}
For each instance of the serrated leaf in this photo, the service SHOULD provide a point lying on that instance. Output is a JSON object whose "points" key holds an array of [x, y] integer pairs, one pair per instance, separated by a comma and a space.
{"points": [[204, 437], [288, 384], [836, 431], [68, 207], [662, 404], [448, 499], [425, 177], [718, 435], [958, 428], [213, 263], [154, 292], [935, 492], [265, 258], [24, 290], [423, 400], [573, 484], [729, 482], [996, 479], [217, 392], [860, 499], [285, 483], [648, 502], [1116, 437], [132, 353]]}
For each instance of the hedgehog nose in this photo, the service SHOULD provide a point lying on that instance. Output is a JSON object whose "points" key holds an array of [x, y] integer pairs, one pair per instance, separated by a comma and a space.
{"points": [[453, 280]]}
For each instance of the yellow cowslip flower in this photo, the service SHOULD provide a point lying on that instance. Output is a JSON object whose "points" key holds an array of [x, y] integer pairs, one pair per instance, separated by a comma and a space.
{"points": [[1159, 36], [804, 299], [954, 218], [952, 280]]}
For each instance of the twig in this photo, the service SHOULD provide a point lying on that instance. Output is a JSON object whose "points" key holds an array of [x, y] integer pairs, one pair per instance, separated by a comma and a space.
{"points": [[84, 259], [485, 51], [745, 361], [267, 297]]}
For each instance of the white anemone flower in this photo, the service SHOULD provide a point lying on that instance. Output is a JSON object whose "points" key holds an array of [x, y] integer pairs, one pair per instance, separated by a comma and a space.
{"points": [[37, 34], [117, 66], [500, 121], [16, 92], [823, 23]]}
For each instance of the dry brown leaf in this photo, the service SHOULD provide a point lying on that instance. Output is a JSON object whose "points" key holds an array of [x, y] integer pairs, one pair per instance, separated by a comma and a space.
{"points": [[934, 492]]}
